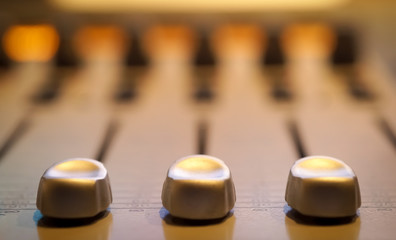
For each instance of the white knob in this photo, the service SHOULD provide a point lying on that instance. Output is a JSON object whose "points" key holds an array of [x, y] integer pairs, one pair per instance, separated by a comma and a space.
{"points": [[74, 188], [323, 186], [198, 187]]}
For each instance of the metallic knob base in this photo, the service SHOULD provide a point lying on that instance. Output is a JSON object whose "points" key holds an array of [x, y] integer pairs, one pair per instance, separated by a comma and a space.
{"points": [[198, 187], [74, 188], [322, 186]]}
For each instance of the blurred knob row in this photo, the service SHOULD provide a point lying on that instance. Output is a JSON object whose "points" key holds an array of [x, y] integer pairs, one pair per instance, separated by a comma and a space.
{"points": [[43, 42], [271, 48]]}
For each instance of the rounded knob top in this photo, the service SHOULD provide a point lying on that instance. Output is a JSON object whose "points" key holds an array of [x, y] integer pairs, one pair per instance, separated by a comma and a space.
{"points": [[321, 166], [77, 168], [321, 186], [199, 167]]}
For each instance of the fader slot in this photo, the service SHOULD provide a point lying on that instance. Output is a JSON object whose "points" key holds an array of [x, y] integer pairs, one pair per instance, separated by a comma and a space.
{"points": [[159, 129], [203, 84], [202, 137], [51, 88], [249, 133], [297, 140], [204, 63], [126, 91], [136, 56], [334, 125], [387, 131], [345, 58], [274, 63], [16, 90], [5, 61], [205, 55], [65, 59], [109, 135], [15, 135], [135, 63]]}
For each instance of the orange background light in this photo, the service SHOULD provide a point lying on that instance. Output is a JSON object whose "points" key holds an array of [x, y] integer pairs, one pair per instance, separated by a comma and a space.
{"points": [[31, 42]]}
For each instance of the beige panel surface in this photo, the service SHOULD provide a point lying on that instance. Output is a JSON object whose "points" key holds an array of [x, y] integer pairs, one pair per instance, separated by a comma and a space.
{"points": [[246, 129], [74, 126], [17, 87]]}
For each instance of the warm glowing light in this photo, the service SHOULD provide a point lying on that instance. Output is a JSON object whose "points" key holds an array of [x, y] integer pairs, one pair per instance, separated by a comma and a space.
{"points": [[77, 166], [31, 42], [199, 164], [319, 164], [322, 167], [169, 38], [239, 37], [199, 167], [194, 6], [100, 40], [313, 38], [81, 168]]}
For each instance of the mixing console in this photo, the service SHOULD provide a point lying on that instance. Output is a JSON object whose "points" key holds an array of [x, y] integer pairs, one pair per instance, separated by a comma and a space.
{"points": [[257, 97]]}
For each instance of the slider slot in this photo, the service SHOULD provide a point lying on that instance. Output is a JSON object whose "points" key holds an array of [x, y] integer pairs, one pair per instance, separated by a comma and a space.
{"points": [[280, 90], [387, 131], [135, 59], [136, 56], [107, 140], [357, 88], [127, 89], [66, 55], [15, 136], [51, 89], [202, 134], [5, 62], [65, 59], [344, 57], [274, 62], [297, 140], [205, 61], [202, 85], [204, 55]]}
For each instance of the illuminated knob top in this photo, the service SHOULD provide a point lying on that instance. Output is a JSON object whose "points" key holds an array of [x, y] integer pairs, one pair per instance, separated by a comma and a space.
{"points": [[322, 186], [74, 188], [198, 187]]}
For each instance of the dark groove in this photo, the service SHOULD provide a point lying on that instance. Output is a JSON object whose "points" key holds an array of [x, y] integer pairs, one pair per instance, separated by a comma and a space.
{"points": [[319, 221], [126, 91], [296, 136], [357, 88], [51, 89], [107, 140], [203, 84], [280, 91], [176, 221], [49, 222], [388, 132], [203, 94], [16, 134], [202, 137]]}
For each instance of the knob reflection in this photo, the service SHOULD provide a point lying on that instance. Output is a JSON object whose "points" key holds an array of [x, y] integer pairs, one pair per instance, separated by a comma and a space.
{"points": [[178, 229], [97, 228]]}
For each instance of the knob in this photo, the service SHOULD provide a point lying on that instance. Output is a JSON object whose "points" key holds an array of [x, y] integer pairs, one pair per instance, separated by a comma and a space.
{"points": [[198, 187], [74, 188], [321, 186]]}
